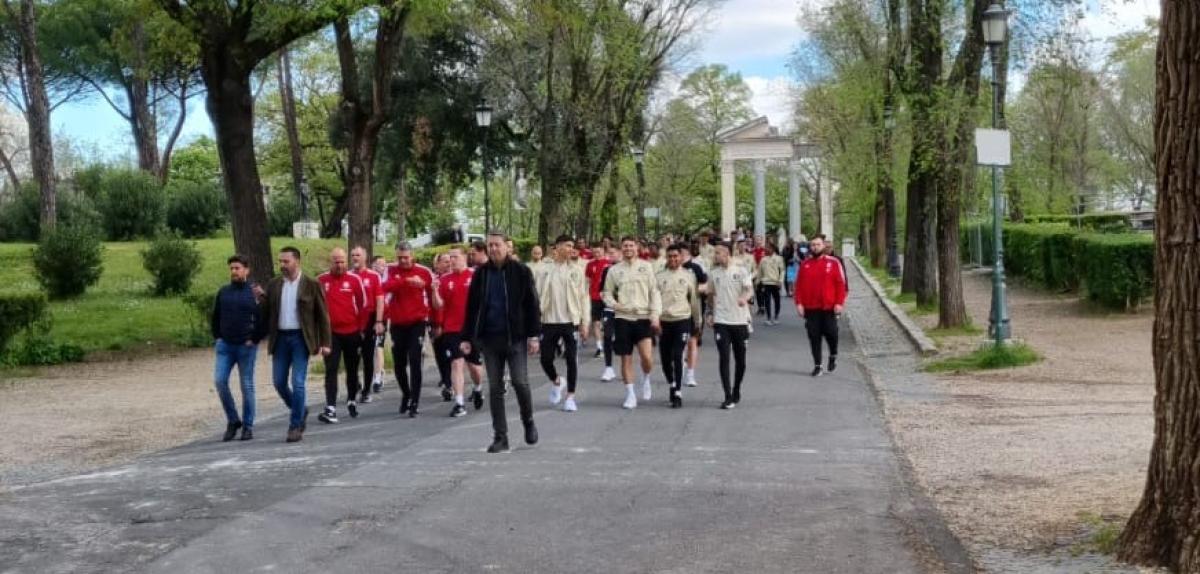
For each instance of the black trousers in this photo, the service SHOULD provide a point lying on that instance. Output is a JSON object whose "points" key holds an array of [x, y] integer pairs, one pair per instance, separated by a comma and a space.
{"points": [[731, 338], [770, 299], [552, 335], [407, 346], [821, 325], [608, 322], [350, 346], [442, 360], [497, 355], [671, 349], [367, 350]]}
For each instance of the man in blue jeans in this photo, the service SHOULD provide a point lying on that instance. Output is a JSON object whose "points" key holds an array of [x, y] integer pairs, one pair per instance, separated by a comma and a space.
{"points": [[298, 323], [237, 326]]}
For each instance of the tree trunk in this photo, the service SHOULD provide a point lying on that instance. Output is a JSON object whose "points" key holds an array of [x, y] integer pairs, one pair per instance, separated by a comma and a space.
{"points": [[1162, 530], [288, 101], [878, 233], [37, 116], [929, 133], [10, 171], [142, 119], [230, 104], [164, 168]]}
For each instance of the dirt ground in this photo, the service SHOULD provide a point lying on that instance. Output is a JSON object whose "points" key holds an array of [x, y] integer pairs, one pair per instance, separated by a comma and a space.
{"points": [[1015, 458], [77, 417]]}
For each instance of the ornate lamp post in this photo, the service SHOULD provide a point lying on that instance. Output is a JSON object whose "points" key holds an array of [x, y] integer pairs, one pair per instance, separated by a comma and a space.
{"points": [[995, 34], [483, 119]]}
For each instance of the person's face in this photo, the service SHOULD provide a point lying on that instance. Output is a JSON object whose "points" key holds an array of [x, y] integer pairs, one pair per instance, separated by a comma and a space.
{"points": [[337, 262], [289, 265], [536, 253], [497, 249], [404, 258], [358, 256], [721, 255], [565, 250], [238, 272], [480, 257], [380, 265], [443, 264], [613, 254], [674, 259], [816, 245], [456, 260], [629, 249]]}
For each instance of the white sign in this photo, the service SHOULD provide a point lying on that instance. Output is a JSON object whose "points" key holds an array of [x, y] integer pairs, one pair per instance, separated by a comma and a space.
{"points": [[993, 147], [650, 212]]}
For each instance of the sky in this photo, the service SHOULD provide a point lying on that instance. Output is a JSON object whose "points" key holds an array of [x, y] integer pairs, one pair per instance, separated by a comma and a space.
{"points": [[753, 37]]}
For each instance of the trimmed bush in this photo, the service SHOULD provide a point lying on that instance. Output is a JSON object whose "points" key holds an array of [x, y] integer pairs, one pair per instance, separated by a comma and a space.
{"points": [[18, 311], [174, 262], [282, 211], [131, 204], [20, 217], [195, 209], [36, 346], [1042, 253], [68, 260], [1113, 222], [1117, 270]]}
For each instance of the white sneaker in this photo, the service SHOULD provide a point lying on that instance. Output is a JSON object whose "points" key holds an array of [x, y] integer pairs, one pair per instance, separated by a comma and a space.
{"points": [[630, 398], [556, 392], [569, 405], [609, 375], [646, 388], [691, 382]]}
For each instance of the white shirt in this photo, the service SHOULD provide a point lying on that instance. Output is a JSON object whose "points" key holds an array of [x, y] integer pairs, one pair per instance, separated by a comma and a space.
{"points": [[289, 315], [728, 284]]}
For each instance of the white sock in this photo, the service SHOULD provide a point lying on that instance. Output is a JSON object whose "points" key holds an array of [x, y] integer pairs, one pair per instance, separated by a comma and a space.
{"points": [[691, 374], [458, 399], [629, 390], [599, 345]]}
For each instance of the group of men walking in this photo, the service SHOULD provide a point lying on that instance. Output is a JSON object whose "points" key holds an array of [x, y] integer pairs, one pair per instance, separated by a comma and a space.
{"points": [[486, 310]]}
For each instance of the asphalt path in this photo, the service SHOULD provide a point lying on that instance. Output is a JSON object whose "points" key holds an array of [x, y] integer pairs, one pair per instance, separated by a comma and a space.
{"points": [[801, 477]]}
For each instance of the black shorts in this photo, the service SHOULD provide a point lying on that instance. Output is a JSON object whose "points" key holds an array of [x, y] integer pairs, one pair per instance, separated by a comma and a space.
{"points": [[597, 311], [629, 334], [452, 348]]}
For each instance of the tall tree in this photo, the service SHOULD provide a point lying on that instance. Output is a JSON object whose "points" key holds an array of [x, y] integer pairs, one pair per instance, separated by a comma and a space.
{"points": [[234, 37], [36, 105], [925, 94], [287, 98], [1162, 530]]}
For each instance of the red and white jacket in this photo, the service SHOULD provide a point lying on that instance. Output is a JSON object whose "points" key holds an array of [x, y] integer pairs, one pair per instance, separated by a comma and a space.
{"points": [[346, 298], [409, 305], [821, 283], [373, 284], [453, 288]]}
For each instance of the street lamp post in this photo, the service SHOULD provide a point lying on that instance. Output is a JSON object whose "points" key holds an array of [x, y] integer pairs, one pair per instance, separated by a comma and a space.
{"points": [[483, 119], [995, 32], [639, 157]]}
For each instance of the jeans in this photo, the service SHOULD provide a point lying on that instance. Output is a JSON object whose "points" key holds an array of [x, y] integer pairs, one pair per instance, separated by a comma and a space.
{"points": [[497, 354], [242, 356], [552, 335], [348, 346], [291, 353]]}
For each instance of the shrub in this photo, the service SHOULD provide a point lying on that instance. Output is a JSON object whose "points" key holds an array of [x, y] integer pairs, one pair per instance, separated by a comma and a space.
{"points": [[195, 209], [37, 347], [1117, 270], [282, 211], [174, 262], [1042, 253], [131, 204], [20, 217], [18, 311], [68, 260], [201, 305], [1088, 221]]}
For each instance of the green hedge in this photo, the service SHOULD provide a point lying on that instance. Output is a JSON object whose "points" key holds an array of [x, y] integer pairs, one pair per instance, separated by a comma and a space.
{"points": [[18, 311], [1117, 270], [1042, 253], [1090, 221]]}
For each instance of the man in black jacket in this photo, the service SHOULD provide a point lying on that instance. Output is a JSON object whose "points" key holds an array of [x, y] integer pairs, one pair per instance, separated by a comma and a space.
{"points": [[237, 327], [504, 320]]}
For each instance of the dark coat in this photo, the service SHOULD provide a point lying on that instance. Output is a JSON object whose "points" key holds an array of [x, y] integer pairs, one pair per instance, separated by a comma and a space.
{"points": [[524, 312], [314, 317]]}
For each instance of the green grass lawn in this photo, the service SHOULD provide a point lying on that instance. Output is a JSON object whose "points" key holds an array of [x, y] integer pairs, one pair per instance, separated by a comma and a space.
{"points": [[118, 313]]}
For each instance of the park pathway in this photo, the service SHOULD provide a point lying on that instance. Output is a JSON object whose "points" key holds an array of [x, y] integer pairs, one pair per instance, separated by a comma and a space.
{"points": [[801, 477]]}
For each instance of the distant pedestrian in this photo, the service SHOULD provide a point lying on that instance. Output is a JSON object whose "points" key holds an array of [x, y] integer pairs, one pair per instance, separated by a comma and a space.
{"points": [[414, 293], [298, 324], [374, 326], [347, 299], [730, 291], [771, 272], [237, 326], [565, 310], [820, 297], [504, 320], [680, 318]]}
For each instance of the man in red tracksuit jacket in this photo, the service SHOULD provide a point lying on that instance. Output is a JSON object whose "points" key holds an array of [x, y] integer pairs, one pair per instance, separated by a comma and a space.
{"points": [[346, 299], [453, 288], [414, 293], [820, 296]]}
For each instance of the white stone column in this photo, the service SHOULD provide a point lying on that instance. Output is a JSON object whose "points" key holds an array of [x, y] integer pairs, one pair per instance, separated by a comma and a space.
{"points": [[828, 188], [728, 201], [793, 199], [760, 198]]}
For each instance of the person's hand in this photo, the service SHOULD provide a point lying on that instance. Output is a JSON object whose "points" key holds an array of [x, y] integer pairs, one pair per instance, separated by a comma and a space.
{"points": [[655, 327], [465, 347], [415, 282], [583, 333], [837, 309], [743, 301], [710, 321], [258, 291], [437, 332], [324, 351], [434, 285], [534, 345], [379, 329], [800, 311]]}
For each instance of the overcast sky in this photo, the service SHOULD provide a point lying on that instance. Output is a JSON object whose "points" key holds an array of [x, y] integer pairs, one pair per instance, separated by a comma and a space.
{"points": [[753, 37]]}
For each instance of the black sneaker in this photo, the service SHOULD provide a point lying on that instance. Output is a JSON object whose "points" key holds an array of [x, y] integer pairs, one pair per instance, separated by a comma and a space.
{"points": [[304, 421], [728, 405], [403, 406], [231, 431], [832, 363], [352, 408], [447, 395], [477, 399], [597, 354], [499, 445], [377, 386], [458, 411], [366, 398], [413, 411], [328, 416], [676, 401], [247, 433], [737, 396], [531, 435], [817, 371]]}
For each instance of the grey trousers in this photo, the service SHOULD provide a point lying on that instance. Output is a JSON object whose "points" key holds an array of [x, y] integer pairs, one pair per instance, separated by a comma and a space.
{"points": [[497, 355]]}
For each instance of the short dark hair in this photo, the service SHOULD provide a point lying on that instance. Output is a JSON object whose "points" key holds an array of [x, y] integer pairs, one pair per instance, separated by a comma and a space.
{"points": [[479, 246], [498, 233], [403, 246], [563, 239], [724, 244], [377, 258], [630, 238], [289, 249], [675, 247], [237, 258], [820, 236]]}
